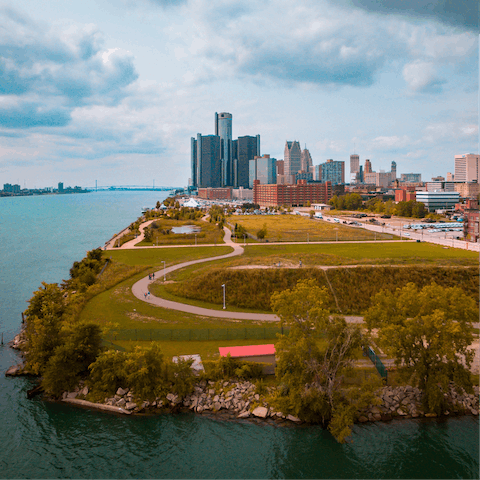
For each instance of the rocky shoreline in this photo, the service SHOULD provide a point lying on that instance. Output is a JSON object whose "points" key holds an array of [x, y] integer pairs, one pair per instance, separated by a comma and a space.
{"points": [[239, 400]]}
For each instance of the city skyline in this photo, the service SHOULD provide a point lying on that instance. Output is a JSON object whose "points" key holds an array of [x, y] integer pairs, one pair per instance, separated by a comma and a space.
{"points": [[113, 91]]}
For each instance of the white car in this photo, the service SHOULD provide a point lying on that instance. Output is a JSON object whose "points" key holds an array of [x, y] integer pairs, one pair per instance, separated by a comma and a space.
{"points": [[406, 234]]}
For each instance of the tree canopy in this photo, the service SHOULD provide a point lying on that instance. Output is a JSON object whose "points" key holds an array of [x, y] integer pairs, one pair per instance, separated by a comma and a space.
{"points": [[427, 331], [313, 358]]}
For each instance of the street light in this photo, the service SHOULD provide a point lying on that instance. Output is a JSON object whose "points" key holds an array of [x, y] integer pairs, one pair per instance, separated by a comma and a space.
{"points": [[195, 239], [223, 286], [164, 277]]}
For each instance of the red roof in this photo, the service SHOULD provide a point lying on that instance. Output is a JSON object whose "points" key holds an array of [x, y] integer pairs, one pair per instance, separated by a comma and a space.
{"points": [[247, 350]]}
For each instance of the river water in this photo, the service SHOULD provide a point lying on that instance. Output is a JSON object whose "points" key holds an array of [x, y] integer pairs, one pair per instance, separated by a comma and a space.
{"points": [[40, 237]]}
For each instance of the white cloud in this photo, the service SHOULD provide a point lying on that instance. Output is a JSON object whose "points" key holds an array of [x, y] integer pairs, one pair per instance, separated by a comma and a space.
{"points": [[389, 143]]}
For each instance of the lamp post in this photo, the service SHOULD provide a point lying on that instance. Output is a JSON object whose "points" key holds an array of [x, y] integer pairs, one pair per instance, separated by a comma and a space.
{"points": [[164, 276], [195, 239], [223, 286]]}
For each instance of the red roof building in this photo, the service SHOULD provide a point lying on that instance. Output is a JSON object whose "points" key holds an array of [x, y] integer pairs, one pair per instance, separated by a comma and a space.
{"points": [[253, 353]]}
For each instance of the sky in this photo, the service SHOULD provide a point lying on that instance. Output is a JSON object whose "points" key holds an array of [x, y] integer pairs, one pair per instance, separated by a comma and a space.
{"points": [[112, 90]]}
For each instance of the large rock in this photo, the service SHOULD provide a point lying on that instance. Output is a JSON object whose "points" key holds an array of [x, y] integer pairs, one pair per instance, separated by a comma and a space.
{"points": [[130, 406], [121, 392], [244, 415], [293, 419], [261, 412]]}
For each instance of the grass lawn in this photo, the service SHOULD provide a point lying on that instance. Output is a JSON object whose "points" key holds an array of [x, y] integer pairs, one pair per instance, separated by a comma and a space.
{"points": [[209, 233], [293, 228], [153, 257], [398, 253]]}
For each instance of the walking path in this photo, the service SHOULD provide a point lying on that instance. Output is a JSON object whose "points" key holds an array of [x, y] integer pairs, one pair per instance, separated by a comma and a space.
{"points": [[141, 287]]}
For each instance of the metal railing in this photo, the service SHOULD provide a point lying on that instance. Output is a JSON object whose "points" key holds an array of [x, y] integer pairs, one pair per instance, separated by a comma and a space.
{"points": [[381, 369]]}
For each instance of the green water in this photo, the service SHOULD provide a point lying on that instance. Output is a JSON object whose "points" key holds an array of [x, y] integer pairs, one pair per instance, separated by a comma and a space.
{"points": [[40, 239]]}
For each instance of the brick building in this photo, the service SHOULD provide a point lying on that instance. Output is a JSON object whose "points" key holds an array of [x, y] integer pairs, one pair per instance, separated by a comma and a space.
{"points": [[471, 222], [215, 193], [402, 195], [291, 195]]}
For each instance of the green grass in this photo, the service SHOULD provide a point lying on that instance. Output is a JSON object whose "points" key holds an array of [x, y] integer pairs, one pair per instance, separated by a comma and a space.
{"points": [[380, 253], [293, 228], [153, 257], [209, 233]]}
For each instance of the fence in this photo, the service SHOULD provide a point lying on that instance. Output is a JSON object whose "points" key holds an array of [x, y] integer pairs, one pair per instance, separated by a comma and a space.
{"points": [[200, 334], [106, 343], [382, 370]]}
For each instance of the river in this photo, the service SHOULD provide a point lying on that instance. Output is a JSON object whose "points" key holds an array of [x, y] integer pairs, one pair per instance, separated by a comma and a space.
{"points": [[40, 237]]}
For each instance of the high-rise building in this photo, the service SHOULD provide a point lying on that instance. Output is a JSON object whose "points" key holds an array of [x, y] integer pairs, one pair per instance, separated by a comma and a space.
{"points": [[354, 167], [466, 167], [208, 164], [368, 166], [280, 167], [193, 161], [305, 160], [60, 187], [331, 171], [263, 169], [292, 160], [393, 171], [223, 129], [244, 149]]}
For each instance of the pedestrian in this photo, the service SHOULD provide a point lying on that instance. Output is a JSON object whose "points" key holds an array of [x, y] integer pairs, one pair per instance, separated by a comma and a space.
{"points": [[153, 275], [145, 295], [148, 295], [149, 277], [300, 264]]}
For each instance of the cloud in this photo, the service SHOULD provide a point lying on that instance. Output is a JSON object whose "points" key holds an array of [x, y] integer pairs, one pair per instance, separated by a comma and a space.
{"points": [[421, 77], [456, 13], [389, 143], [51, 72]]}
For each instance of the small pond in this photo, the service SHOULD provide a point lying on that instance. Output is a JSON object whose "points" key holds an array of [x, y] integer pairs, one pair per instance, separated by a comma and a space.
{"points": [[186, 229]]}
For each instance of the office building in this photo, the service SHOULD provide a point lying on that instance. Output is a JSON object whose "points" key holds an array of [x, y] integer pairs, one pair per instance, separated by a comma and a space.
{"points": [[60, 187], [280, 167], [220, 193], [292, 160], [354, 167], [411, 177], [393, 171], [471, 223], [305, 160], [244, 149], [438, 200], [331, 171], [263, 169], [206, 161], [368, 166], [223, 129], [466, 167]]}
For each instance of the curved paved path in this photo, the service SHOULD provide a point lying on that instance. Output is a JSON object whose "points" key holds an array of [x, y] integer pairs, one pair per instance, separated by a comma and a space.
{"points": [[141, 287]]}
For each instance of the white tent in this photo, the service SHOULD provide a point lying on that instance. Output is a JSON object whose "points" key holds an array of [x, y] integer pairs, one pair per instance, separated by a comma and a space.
{"points": [[191, 203]]}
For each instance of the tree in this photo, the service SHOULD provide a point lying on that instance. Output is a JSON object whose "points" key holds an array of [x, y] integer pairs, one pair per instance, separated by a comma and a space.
{"points": [[313, 358], [262, 233], [428, 333]]}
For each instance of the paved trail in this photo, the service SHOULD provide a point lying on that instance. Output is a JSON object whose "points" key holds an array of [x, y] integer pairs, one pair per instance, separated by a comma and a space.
{"points": [[140, 288]]}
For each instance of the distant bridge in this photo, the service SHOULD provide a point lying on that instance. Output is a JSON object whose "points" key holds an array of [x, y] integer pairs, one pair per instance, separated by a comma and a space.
{"points": [[131, 187]]}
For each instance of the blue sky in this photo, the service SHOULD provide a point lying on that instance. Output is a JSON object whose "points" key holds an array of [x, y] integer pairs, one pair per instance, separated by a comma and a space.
{"points": [[112, 90]]}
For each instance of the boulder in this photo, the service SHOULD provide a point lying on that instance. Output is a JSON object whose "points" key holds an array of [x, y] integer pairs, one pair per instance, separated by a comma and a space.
{"points": [[243, 415], [293, 419], [71, 394], [130, 406], [122, 392], [362, 419], [217, 406], [261, 412], [84, 391], [121, 402]]}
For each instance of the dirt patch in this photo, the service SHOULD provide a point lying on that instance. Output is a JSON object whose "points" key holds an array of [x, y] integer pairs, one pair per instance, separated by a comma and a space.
{"points": [[145, 319]]}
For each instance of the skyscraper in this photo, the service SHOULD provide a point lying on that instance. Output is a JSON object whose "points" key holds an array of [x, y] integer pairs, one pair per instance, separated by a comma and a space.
{"points": [[208, 171], [223, 129], [368, 166], [292, 160], [263, 169], [245, 149], [354, 167], [393, 171], [305, 160], [332, 171], [466, 167]]}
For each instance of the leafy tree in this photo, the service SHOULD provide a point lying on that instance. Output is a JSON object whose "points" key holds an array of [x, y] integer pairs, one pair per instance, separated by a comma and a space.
{"points": [[428, 332], [262, 233], [312, 359], [71, 359]]}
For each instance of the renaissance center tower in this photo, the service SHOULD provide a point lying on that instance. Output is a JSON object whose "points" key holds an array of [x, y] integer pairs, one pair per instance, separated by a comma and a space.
{"points": [[223, 129]]}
